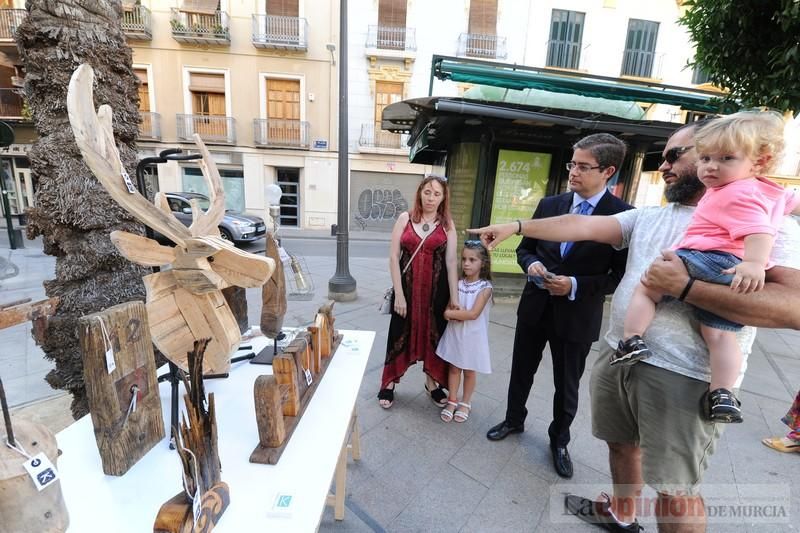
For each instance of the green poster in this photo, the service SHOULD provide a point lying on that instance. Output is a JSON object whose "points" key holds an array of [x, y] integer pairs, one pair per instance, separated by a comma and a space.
{"points": [[520, 182]]}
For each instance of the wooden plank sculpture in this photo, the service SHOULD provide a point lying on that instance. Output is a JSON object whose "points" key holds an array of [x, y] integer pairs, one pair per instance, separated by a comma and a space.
{"points": [[281, 399], [273, 293], [185, 303], [23, 508], [197, 446], [123, 392]]}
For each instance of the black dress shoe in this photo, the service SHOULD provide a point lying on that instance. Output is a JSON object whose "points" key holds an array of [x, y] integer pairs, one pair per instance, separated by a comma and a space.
{"points": [[561, 461], [503, 430], [597, 513]]}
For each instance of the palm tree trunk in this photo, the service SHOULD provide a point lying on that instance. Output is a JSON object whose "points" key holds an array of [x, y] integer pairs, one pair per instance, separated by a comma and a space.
{"points": [[73, 212]]}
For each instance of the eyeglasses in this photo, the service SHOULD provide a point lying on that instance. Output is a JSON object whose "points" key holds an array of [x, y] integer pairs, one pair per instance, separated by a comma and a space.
{"points": [[582, 167], [673, 154]]}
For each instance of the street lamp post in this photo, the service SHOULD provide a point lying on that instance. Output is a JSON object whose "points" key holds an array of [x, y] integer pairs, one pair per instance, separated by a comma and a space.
{"points": [[342, 286]]}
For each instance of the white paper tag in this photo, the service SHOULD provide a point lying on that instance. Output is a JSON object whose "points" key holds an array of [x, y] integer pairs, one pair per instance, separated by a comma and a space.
{"points": [[282, 505], [111, 365], [309, 377], [196, 507], [41, 470], [129, 183]]}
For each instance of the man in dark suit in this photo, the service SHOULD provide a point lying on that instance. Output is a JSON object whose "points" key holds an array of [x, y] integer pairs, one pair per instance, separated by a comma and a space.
{"points": [[562, 303]]}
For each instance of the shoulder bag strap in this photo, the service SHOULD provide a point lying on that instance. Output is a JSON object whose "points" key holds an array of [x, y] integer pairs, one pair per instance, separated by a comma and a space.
{"points": [[415, 252]]}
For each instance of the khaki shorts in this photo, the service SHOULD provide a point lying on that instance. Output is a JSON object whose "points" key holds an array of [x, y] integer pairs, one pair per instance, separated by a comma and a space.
{"points": [[660, 411]]}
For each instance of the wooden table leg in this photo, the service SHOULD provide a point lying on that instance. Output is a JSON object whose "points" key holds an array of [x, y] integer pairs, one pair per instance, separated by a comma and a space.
{"points": [[353, 444]]}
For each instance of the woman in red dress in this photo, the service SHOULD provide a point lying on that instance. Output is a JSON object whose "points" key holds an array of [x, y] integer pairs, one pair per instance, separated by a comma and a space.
{"points": [[423, 292]]}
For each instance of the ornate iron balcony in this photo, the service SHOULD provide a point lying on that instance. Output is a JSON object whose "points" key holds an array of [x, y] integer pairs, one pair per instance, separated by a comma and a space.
{"points": [[200, 28], [392, 38], [212, 129], [136, 23], [282, 133], [483, 46], [9, 20], [150, 126], [373, 137], [279, 32]]}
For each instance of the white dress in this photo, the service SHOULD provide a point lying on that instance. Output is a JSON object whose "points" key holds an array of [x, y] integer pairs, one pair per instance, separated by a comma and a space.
{"points": [[465, 343]]}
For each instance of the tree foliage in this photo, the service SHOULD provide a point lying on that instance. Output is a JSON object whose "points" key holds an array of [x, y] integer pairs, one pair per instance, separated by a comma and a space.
{"points": [[751, 48]]}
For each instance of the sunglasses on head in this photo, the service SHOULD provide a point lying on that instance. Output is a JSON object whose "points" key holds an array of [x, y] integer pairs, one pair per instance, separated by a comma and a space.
{"points": [[673, 154], [473, 243]]}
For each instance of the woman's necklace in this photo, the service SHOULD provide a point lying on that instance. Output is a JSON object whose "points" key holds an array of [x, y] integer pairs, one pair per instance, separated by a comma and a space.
{"points": [[426, 226]]}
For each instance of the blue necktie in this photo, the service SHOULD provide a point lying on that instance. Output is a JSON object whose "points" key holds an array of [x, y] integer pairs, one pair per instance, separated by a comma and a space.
{"points": [[583, 209]]}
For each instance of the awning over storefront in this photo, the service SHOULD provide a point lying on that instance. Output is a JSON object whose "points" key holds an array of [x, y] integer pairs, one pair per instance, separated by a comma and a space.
{"points": [[521, 77]]}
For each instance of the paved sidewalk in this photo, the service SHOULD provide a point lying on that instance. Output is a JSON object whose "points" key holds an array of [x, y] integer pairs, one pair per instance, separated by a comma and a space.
{"points": [[418, 474]]}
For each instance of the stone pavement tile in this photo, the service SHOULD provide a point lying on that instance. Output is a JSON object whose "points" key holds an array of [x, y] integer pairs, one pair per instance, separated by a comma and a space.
{"points": [[444, 504], [761, 378], [381, 497], [53, 412], [352, 522], [515, 501], [12, 366], [770, 342], [16, 390], [482, 459], [379, 445]]}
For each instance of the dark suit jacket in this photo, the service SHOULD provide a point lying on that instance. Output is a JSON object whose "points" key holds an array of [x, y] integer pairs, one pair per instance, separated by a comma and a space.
{"points": [[598, 268]]}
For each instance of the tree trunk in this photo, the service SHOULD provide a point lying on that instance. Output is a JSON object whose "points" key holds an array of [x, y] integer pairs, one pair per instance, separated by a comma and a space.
{"points": [[73, 212]]}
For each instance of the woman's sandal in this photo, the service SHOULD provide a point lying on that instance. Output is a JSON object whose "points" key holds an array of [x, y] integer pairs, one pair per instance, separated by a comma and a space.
{"points": [[782, 444], [386, 395], [461, 415], [438, 395], [447, 415]]}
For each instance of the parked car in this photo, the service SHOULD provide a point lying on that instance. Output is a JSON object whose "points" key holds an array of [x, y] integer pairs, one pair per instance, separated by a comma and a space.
{"points": [[235, 227]]}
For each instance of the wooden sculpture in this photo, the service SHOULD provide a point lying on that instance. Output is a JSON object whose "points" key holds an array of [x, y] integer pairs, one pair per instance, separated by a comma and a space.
{"points": [[123, 391], [273, 294], [185, 303], [281, 399], [24, 508], [197, 446]]}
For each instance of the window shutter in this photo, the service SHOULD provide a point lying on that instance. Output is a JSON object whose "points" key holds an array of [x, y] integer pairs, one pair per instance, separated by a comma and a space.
{"points": [[285, 8], [207, 83], [483, 17], [208, 7], [392, 13]]}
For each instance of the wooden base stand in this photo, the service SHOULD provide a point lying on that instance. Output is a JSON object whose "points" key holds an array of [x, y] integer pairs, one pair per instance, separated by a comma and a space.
{"points": [[275, 426], [176, 516]]}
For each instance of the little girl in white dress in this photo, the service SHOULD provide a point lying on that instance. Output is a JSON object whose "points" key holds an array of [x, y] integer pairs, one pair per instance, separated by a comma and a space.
{"points": [[465, 342]]}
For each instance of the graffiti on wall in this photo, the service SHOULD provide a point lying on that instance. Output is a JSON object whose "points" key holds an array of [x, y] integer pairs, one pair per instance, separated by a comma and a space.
{"points": [[379, 205]]}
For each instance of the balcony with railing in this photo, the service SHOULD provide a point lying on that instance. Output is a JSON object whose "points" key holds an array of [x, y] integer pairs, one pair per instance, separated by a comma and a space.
{"points": [[374, 139], [136, 23], [9, 20], [212, 129], [149, 126], [12, 105], [482, 46], [280, 133], [388, 41], [200, 28], [279, 32]]}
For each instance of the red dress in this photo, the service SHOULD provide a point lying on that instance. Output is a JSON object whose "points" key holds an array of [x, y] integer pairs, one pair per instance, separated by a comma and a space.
{"points": [[415, 337]]}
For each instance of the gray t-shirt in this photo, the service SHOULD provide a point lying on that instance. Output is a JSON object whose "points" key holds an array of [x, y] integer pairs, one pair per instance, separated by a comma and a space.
{"points": [[674, 335]]}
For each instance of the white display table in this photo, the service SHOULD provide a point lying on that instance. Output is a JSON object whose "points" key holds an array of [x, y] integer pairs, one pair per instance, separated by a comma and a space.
{"points": [[101, 503]]}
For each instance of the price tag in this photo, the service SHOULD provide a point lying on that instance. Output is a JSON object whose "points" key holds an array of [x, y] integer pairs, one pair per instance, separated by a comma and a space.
{"points": [[196, 507], [111, 365], [309, 377], [129, 183], [41, 470]]}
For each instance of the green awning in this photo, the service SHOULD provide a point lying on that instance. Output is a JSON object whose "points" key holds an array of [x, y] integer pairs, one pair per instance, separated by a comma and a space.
{"points": [[548, 99], [520, 78]]}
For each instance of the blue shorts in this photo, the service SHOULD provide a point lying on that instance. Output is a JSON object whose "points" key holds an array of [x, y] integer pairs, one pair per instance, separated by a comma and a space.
{"points": [[708, 266]]}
